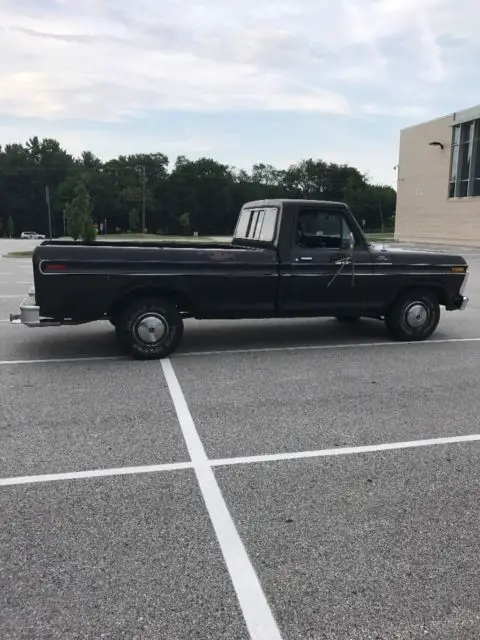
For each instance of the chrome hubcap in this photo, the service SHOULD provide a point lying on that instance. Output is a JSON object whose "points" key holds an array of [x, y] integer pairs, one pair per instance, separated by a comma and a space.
{"points": [[151, 329], [416, 315]]}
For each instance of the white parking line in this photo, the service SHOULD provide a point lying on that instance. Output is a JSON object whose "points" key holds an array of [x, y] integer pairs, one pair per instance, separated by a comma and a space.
{"points": [[321, 347], [343, 451], [94, 473], [58, 360], [353, 345], [253, 603], [228, 462]]}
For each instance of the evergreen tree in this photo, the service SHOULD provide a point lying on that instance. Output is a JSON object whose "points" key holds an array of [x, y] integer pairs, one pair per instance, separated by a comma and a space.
{"points": [[79, 215]]}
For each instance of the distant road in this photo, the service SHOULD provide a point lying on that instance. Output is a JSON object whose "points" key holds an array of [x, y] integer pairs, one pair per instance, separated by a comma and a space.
{"points": [[7, 246]]}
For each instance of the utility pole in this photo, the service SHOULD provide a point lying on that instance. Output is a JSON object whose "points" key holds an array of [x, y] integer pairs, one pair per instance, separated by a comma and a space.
{"points": [[47, 199], [381, 215], [144, 186]]}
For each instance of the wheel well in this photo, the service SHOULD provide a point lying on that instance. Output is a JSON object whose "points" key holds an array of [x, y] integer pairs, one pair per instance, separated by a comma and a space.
{"points": [[436, 289], [180, 299]]}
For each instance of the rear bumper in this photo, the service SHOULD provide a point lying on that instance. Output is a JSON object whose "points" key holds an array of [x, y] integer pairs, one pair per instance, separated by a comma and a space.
{"points": [[30, 314], [458, 304]]}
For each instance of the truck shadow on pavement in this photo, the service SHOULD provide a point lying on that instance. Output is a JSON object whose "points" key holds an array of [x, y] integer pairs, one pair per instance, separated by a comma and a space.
{"points": [[276, 334], [98, 339]]}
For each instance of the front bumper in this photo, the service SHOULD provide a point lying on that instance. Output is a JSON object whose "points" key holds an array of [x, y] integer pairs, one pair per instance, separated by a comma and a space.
{"points": [[30, 314]]}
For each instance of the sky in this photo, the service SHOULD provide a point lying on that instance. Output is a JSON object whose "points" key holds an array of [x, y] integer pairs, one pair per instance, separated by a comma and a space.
{"points": [[241, 81]]}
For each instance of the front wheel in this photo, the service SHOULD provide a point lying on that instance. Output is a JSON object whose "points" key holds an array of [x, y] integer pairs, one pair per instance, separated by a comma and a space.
{"points": [[414, 316], [149, 328]]}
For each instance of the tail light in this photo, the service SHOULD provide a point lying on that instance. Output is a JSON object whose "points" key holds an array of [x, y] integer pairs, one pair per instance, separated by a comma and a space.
{"points": [[54, 267]]}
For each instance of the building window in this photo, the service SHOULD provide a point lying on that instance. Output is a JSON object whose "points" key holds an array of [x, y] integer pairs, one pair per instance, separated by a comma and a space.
{"points": [[465, 167]]}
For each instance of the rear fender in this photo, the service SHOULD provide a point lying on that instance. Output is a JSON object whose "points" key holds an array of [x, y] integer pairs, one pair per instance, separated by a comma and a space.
{"points": [[180, 299]]}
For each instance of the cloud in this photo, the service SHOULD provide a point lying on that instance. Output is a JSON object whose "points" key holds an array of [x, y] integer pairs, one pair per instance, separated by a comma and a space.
{"points": [[105, 60], [339, 78], [395, 111]]}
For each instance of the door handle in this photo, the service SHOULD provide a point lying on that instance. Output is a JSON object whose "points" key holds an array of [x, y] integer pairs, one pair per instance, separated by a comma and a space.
{"points": [[305, 258]]}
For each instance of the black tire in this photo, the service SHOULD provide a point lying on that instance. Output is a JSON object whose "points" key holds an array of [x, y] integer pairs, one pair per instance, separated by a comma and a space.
{"points": [[413, 316], [349, 319], [155, 317]]}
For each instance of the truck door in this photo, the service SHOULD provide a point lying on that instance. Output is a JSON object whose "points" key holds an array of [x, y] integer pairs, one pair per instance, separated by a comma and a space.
{"points": [[319, 278]]}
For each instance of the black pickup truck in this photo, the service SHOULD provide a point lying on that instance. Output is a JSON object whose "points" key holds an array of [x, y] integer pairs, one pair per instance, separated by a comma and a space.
{"points": [[288, 258]]}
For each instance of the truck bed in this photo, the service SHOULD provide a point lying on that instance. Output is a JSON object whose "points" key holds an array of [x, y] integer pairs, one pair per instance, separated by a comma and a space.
{"points": [[84, 281]]}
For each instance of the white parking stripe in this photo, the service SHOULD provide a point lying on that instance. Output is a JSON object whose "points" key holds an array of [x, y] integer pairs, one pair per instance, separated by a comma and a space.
{"points": [[343, 451], [255, 608], [321, 347], [94, 473], [227, 462], [59, 360], [354, 345]]}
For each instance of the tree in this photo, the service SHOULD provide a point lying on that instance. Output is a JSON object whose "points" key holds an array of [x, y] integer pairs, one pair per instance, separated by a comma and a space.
{"points": [[10, 227], [212, 193], [89, 229], [134, 220], [184, 222], [79, 215]]}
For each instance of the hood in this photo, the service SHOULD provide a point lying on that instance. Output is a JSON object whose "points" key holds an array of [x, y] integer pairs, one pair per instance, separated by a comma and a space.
{"points": [[410, 254]]}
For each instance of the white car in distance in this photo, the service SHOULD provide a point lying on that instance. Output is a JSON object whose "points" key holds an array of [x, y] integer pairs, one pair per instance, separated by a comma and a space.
{"points": [[31, 235]]}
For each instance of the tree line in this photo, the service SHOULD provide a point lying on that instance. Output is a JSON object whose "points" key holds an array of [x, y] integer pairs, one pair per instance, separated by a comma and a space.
{"points": [[43, 186]]}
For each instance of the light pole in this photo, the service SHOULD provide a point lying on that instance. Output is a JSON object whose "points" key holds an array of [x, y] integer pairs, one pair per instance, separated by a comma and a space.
{"points": [[144, 180], [47, 199]]}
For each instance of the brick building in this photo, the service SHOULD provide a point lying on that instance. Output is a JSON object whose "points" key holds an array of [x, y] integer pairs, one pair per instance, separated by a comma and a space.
{"points": [[438, 193]]}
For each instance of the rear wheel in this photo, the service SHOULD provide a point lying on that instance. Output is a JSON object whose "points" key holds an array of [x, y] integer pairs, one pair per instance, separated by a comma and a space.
{"points": [[149, 328], [413, 316]]}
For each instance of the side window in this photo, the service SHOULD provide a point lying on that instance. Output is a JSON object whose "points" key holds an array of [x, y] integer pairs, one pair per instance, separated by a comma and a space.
{"points": [[322, 230], [346, 231]]}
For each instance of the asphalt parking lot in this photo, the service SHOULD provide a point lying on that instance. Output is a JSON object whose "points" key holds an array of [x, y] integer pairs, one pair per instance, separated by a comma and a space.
{"points": [[301, 480]]}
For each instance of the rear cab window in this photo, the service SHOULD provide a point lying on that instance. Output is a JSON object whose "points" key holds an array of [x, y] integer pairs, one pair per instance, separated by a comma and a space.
{"points": [[257, 224]]}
